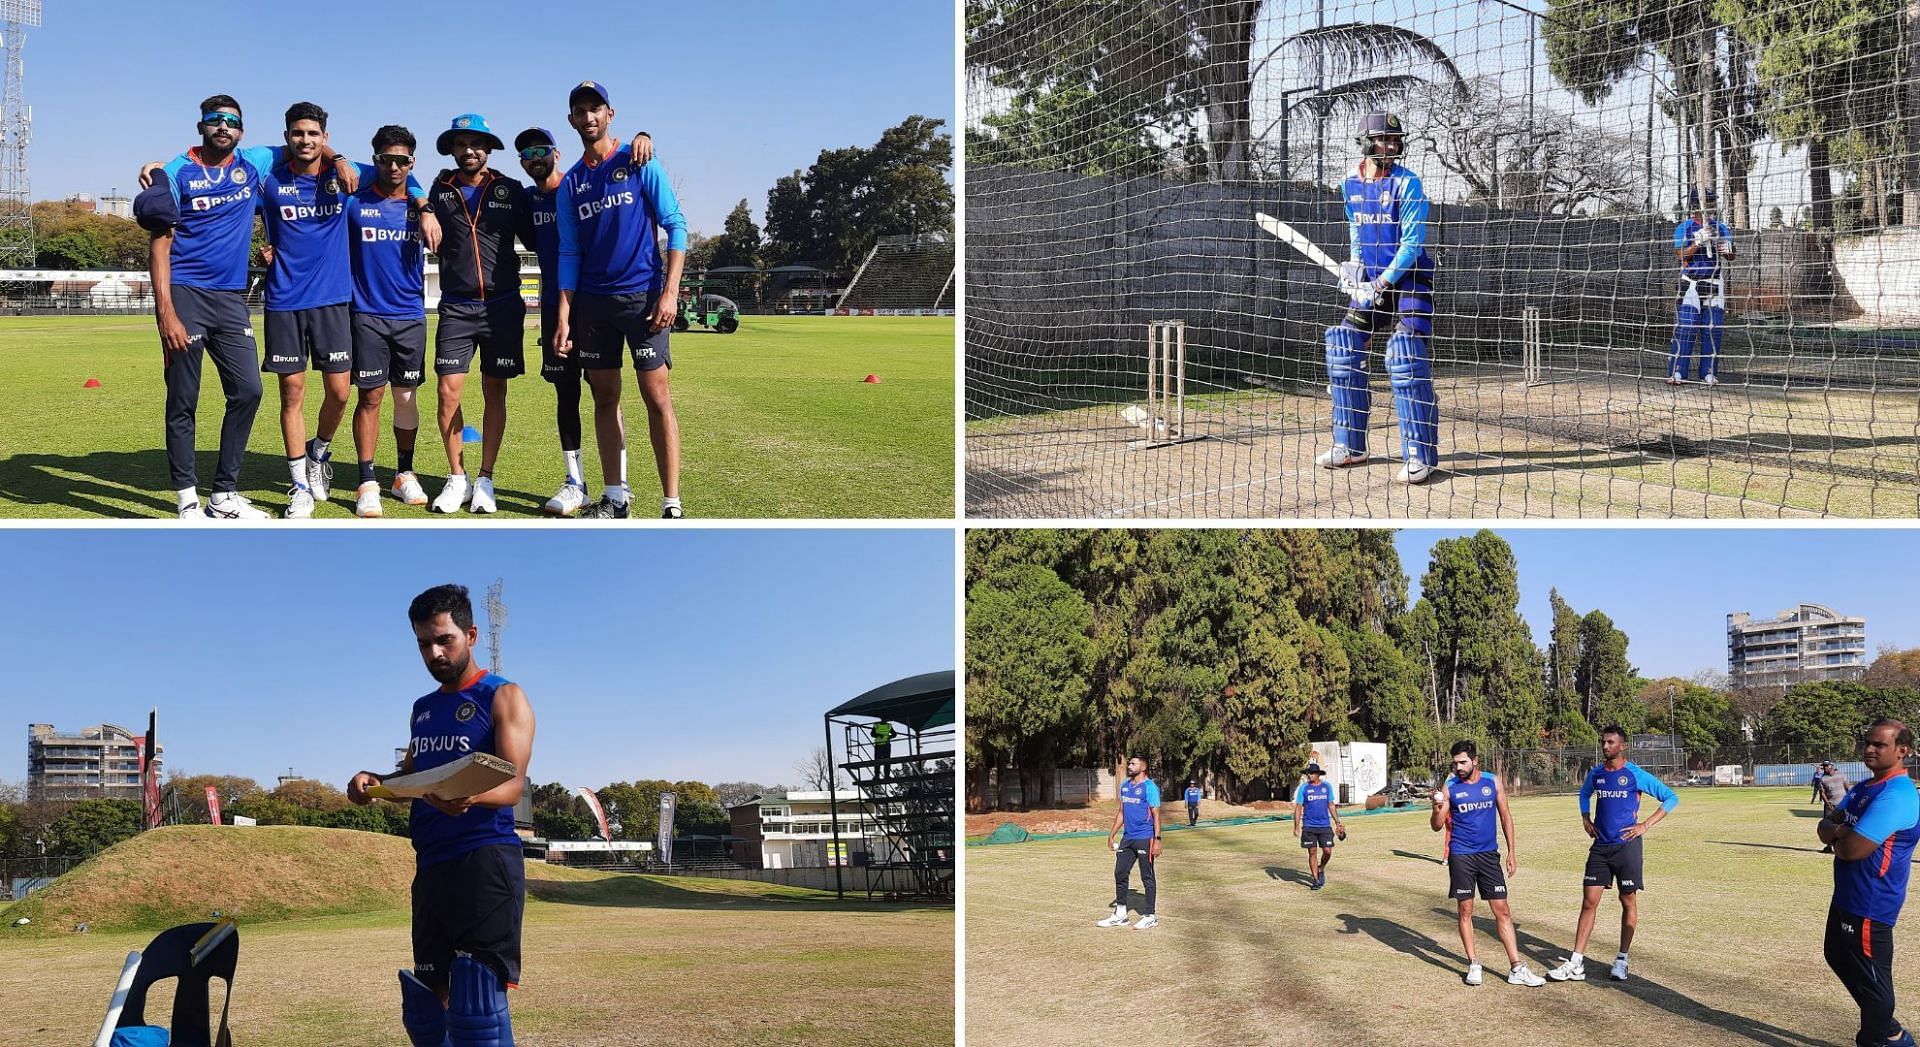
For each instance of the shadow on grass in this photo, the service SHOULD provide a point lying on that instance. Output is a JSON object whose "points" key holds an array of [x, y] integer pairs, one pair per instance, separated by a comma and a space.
{"points": [[1398, 853], [1280, 872], [1768, 846], [641, 891], [1803, 813], [101, 483], [1546, 954], [1404, 940]]}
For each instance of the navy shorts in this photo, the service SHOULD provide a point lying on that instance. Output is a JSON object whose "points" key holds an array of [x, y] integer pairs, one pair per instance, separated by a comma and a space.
{"points": [[1481, 870], [553, 367], [1316, 837], [601, 324], [323, 334], [388, 349], [471, 903], [494, 329], [1607, 862]]}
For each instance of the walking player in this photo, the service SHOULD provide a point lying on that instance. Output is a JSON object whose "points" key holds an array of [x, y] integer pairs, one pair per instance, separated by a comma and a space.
{"points": [[1465, 809], [469, 886], [1193, 803], [1135, 836], [1315, 823], [1872, 835]]}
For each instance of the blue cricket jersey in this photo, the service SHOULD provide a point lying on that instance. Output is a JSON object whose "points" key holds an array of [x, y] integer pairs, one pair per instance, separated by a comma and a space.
{"points": [[1615, 798], [1316, 802], [306, 216], [1137, 804], [1193, 795], [609, 214], [389, 276], [447, 725], [1704, 263], [1474, 805], [214, 239], [546, 240], [1386, 222], [1885, 811]]}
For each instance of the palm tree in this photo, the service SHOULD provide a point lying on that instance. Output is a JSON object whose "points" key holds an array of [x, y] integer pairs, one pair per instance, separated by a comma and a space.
{"points": [[1345, 51]]}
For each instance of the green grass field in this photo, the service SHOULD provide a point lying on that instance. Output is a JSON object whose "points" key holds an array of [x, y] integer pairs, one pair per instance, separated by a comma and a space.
{"points": [[608, 958], [1727, 952], [774, 420]]}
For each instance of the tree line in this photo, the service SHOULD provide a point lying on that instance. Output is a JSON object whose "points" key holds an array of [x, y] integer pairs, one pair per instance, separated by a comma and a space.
{"points": [[1223, 653]]}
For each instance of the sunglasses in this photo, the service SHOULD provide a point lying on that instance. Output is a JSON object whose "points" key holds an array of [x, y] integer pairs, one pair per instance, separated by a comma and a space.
{"points": [[536, 152], [395, 159], [230, 119]]}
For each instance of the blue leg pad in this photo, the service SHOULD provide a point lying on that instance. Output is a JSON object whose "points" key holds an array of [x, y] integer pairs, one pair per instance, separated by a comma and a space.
{"points": [[1413, 398], [1685, 329], [1715, 327], [477, 1006], [1347, 377], [421, 1013]]}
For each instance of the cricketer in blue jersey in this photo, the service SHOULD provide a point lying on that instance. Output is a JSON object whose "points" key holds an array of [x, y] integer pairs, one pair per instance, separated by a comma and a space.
{"points": [[1193, 804], [1610, 811], [200, 216], [1872, 834], [1135, 838], [1316, 824], [469, 885], [617, 287], [1465, 809], [1703, 245], [1389, 277]]}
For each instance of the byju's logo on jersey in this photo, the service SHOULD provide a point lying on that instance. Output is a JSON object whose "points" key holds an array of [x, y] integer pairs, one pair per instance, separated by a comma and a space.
{"points": [[202, 203], [371, 234], [288, 214], [589, 208]]}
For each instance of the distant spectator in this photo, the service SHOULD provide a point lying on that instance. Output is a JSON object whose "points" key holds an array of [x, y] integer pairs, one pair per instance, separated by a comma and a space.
{"points": [[1193, 803]]}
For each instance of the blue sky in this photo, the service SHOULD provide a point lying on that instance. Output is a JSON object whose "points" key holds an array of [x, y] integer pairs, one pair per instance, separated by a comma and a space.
{"points": [[1671, 589], [735, 94], [706, 655]]}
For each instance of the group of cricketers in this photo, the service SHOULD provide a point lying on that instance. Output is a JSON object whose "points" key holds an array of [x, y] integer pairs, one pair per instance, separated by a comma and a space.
{"points": [[345, 295], [1871, 831], [1389, 280]]}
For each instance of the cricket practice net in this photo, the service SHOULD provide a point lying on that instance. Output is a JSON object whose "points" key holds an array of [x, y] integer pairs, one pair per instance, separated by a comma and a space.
{"points": [[1118, 154]]}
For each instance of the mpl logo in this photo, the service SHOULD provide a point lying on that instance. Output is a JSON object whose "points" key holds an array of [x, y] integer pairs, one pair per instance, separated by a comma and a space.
{"points": [[337, 358], [647, 352], [369, 212], [289, 190], [410, 376]]}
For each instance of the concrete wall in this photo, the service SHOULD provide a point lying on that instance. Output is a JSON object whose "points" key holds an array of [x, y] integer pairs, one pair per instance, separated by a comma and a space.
{"points": [[1881, 274]]}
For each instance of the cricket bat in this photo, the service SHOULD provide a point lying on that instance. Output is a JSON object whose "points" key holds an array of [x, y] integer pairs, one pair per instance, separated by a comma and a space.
{"points": [[469, 776], [1295, 239]]}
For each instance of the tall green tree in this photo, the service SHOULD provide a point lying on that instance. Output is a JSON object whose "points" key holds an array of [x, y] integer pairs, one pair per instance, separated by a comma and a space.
{"points": [[1605, 678], [91, 826], [1027, 655], [1820, 718], [1485, 664], [1567, 723], [835, 211], [739, 244]]}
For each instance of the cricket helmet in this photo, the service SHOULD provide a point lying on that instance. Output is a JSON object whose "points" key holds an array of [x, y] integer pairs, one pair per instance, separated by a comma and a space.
{"points": [[1374, 126]]}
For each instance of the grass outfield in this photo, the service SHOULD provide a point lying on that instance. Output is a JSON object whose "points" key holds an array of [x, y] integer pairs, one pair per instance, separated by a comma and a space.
{"points": [[774, 421], [1727, 952], [607, 959]]}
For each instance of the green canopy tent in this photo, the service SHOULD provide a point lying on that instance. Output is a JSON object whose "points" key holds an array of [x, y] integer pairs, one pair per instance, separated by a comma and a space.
{"points": [[911, 803]]}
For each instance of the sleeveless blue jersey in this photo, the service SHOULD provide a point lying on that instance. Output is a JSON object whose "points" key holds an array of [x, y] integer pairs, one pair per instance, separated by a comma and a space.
{"points": [[1137, 804], [214, 240], [1386, 222], [1316, 802], [1475, 814], [1883, 810], [608, 215], [1615, 798], [447, 725], [388, 274]]}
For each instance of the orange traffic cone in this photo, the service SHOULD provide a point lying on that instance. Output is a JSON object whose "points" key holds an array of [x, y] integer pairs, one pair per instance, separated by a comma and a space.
{"points": [[872, 379], [91, 383]]}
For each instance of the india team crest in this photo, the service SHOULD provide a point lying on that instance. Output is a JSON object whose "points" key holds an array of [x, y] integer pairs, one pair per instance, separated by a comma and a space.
{"points": [[239, 176], [1486, 790], [500, 191], [332, 186], [1623, 779], [463, 122], [466, 712], [619, 174]]}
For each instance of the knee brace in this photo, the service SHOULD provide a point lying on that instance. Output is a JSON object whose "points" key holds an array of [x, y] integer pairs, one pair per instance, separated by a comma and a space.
{"points": [[1347, 380], [421, 1014], [477, 1006], [1411, 371]]}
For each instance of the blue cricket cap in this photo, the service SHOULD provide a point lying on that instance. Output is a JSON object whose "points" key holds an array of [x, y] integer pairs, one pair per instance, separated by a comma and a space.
{"points": [[533, 136], [591, 87], [155, 208], [468, 123]]}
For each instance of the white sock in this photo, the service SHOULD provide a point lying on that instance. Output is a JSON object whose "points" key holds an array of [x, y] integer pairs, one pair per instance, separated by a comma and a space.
{"points": [[188, 497], [1620, 958], [1577, 960], [297, 467], [616, 493], [224, 496], [623, 466], [669, 503], [573, 467], [319, 448]]}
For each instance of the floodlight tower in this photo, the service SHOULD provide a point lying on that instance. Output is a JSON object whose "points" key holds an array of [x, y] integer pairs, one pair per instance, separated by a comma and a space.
{"points": [[496, 620], [16, 131]]}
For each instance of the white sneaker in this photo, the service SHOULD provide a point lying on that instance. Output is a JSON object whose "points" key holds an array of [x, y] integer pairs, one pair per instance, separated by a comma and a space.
{"points": [[1339, 458], [569, 499], [230, 505], [1118, 919], [483, 495], [452, 496], [406, 487], [1673, 379], [1473, 974], [1709, 380], [1520, 975], [366, 504], [320, 478], [1619, 971], [1414, 473], [1147, 922], [192, 513], [299, 503], [1569, 972]]}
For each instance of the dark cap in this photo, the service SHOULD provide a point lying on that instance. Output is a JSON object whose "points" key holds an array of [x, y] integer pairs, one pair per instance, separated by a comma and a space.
{"points": [[1314, 768], [593, 87], [533, 136], [155, 208]]}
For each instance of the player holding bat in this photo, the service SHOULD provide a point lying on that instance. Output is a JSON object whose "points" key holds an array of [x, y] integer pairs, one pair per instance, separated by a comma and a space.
{"points": [[1701, 243], [469, 884], [1388, 279]]}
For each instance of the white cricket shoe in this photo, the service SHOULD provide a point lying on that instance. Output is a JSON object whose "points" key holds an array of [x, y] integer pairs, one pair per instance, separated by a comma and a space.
{"points": [[569, 499], [1339, 458], [1521, 975], [192, 513], [1710, 380], [1147, 922], [1673, 379], [1569, 972], [231, 505], [483, 495], [366, 504], [1619, 971], [1413, 473], [320, 478], [1118, 919], [1473, 974], [299, 503], [452, 496], [406, 487]]}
